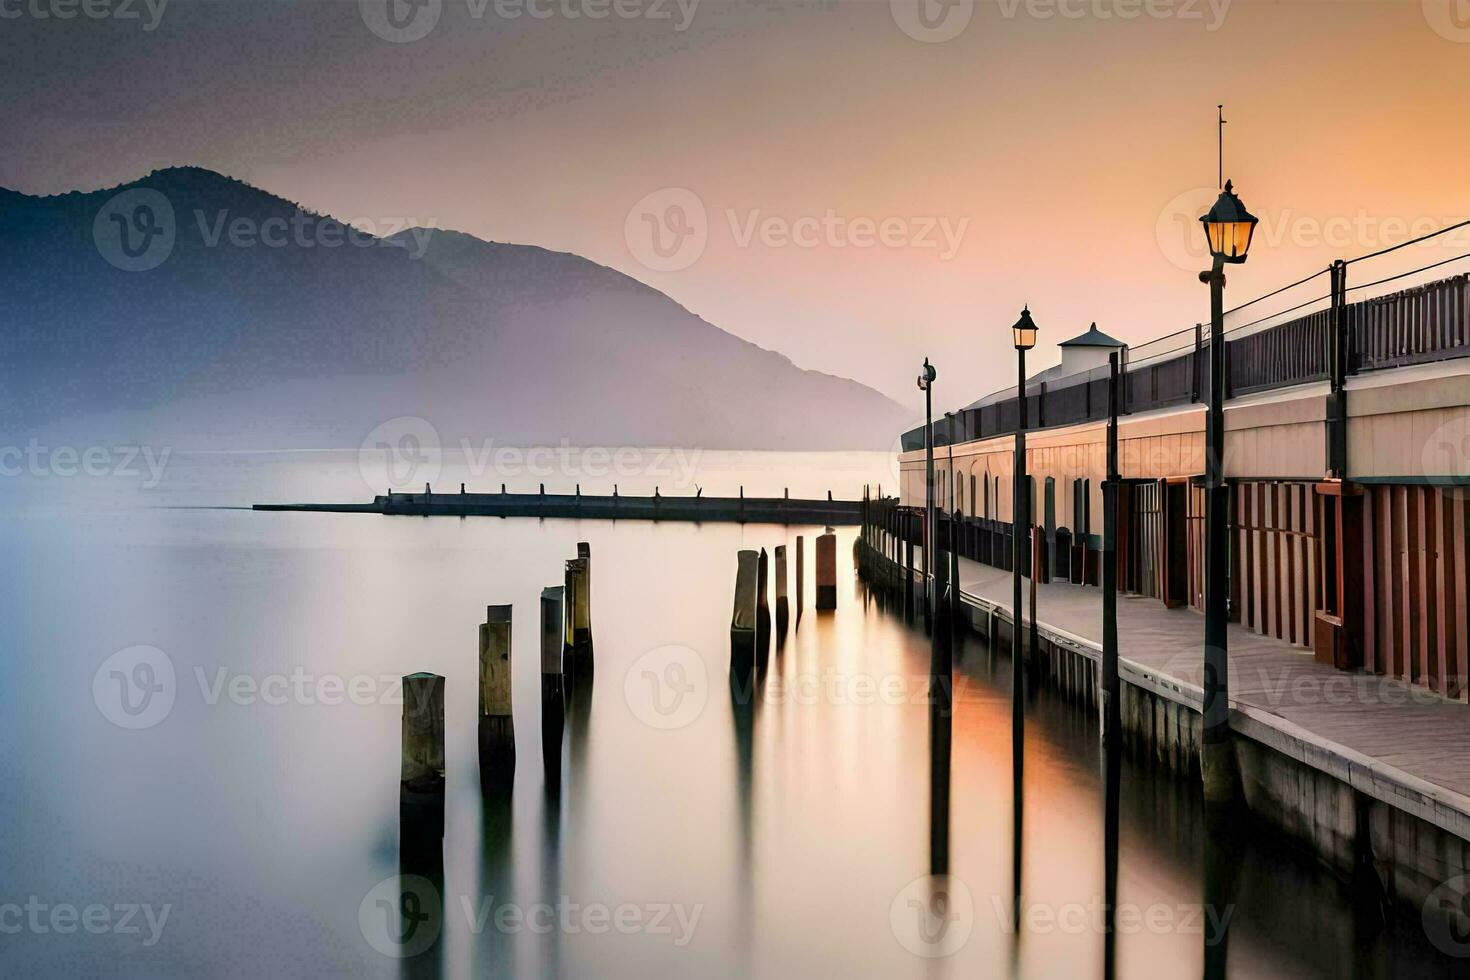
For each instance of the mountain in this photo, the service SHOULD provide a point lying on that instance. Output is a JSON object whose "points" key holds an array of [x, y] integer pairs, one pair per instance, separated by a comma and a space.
{"points": [[193, 308]]}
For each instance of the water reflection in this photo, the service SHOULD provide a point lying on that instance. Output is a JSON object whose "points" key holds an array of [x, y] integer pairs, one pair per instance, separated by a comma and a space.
{"points": [[794, 844]]}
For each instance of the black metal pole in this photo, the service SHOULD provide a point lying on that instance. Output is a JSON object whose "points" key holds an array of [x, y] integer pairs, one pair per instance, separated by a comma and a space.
{"points": [[929, 536], [1111, 710], [1217, 759], [1018, 718]]}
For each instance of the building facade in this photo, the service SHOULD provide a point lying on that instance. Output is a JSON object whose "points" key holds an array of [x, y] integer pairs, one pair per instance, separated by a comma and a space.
{"points": [[1350, 492]]}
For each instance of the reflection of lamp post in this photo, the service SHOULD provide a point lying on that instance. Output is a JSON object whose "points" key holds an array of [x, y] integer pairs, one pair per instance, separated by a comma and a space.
{"points": [[1228, 229], [926, 384]]}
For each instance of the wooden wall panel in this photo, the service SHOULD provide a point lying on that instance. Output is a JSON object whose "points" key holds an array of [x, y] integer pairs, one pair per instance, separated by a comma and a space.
{"points": [[1277, 537], [1414, 585]]}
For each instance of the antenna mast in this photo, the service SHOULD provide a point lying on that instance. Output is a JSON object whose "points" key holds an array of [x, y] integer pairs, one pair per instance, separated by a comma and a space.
{"points": [[1220, 141]]}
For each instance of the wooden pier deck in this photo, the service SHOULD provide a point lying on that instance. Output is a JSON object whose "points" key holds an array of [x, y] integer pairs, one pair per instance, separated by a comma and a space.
{"points": [[1400, 744], [752, 510]]}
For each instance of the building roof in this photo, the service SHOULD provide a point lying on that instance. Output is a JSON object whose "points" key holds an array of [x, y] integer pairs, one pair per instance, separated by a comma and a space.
{"points": [[1092, 338]]}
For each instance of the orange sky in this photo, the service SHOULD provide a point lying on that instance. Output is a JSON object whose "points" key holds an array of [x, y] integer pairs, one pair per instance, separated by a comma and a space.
{"points": [[1055, 134]]}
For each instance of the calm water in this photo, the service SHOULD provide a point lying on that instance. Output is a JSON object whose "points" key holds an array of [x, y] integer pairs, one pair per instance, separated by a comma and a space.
{"points": [[258, 810]]}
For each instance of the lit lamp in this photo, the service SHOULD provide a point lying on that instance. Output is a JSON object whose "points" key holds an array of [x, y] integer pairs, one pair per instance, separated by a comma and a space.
{"points": [[1024, 332], [1228, 227]]}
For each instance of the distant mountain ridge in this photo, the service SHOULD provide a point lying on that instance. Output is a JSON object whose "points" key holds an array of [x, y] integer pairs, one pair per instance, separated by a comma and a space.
{"points": [[194, 308]]}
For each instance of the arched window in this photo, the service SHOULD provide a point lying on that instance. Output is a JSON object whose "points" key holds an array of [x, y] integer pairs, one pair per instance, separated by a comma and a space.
{"points": [[973, 511]]}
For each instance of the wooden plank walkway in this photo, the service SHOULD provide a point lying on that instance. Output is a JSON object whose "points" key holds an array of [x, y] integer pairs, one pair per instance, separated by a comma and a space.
{"points": [[1370, 729]]}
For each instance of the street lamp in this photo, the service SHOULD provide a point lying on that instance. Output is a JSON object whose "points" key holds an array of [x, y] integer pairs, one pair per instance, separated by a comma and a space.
{"points": [[1023, 335], [926, 384], [1228, 228]]}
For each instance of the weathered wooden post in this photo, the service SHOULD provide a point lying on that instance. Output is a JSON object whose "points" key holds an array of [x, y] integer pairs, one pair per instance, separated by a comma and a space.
{"points": [[421, 772], [827, 571], [800, 577], [783, 608], [743, 623], [553, 688], [582, 626], [762, 611], [496, 729]]}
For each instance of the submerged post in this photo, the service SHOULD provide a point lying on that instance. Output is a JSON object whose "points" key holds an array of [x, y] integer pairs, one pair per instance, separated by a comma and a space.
{"points": [[553, 687], [496, 728], [743, 622], [762, 610], [800, 576], [578, 624], [827, 571], [421, 772], [783, 610]]}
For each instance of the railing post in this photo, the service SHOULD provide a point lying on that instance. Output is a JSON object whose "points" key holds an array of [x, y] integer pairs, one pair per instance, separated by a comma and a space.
{"points": [[1337, 350], [1199, 346]]}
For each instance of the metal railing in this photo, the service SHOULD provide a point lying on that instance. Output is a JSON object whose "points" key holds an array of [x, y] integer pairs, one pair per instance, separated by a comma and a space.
{"points": [[1425, 323]]}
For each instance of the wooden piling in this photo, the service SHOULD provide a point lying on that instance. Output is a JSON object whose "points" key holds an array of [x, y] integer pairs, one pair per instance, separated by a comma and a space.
{"points": [[743, 620], [783, 608], [496, 727], [421, 769], [800, 576], [553, 686], [827, 571], [762, 610], [578, 639]]}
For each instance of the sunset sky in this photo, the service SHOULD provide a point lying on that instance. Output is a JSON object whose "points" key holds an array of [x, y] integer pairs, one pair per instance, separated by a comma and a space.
{"points": [[868, 197]]}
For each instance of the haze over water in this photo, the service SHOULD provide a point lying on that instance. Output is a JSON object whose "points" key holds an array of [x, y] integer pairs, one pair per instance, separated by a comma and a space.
{"points": [[264, 826]]}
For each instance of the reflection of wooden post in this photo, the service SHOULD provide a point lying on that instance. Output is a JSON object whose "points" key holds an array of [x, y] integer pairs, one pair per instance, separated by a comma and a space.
{"points": [[827, 571], [421, 772], [783, 609], [800, 576], [553, 688], [497, 731], [743, 620]]}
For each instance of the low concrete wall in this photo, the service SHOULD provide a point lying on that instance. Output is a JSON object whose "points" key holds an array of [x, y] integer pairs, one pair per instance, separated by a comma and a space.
{"points": [[1394, 837]]}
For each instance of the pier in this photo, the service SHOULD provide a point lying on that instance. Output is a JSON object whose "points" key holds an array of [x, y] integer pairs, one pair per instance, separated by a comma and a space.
{"points": [[615, 507], [1363, 770]]}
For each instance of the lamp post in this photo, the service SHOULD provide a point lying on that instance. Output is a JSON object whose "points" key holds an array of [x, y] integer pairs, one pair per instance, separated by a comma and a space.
{"points": [[926, 384], [1023, 335], [1228, 229]]}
